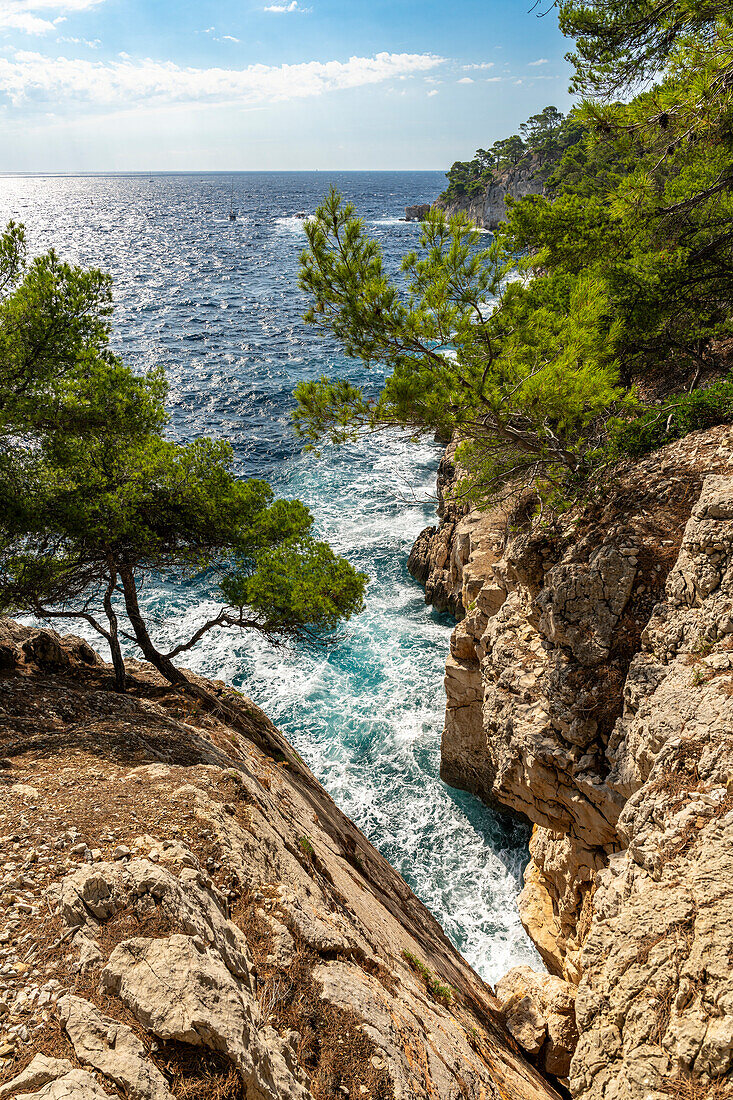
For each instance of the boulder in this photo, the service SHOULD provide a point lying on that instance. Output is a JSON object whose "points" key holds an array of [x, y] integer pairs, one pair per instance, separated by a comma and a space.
{"points": [[36, 1074], [180, 989], [53, 1079], [113, 1049], [539, 1011]]}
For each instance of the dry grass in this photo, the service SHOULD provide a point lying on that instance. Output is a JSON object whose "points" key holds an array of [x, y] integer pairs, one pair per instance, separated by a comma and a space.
{"points": [[681, 776], [196, 1073], [192, 1073], [682, 933], [587, 911], [679, 782], [664, 1002], [333, 1048], [691, 833], [683, 1086], [149, 919]]}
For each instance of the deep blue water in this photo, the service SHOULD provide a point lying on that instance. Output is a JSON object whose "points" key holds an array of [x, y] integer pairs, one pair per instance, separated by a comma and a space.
{"points": [[217, 303]]}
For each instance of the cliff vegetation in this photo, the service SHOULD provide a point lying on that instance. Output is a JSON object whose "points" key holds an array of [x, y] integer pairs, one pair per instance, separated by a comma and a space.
{"points": [[582, 333], [580, 367], [541, 141]]}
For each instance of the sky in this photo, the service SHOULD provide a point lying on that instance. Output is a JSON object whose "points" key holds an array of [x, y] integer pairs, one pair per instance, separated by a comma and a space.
{"points": [[240, 85]]}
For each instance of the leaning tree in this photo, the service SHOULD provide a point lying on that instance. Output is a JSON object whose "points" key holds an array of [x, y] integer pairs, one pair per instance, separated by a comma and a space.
{"points": [[94, 499]]}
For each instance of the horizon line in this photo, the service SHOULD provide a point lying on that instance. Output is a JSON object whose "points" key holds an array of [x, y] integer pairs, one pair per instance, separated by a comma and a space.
{"points": [[210, 171]]}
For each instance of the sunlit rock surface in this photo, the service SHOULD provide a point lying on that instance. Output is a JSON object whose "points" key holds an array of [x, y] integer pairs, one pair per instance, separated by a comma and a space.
{"points": [[187, 913], [589, 691]]}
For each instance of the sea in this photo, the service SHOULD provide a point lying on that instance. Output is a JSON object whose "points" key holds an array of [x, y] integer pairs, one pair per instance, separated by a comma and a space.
{"points": [[217, 303]]}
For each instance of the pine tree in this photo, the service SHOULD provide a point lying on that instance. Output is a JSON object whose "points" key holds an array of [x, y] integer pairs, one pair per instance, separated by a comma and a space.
{"points": [[94, 499]]}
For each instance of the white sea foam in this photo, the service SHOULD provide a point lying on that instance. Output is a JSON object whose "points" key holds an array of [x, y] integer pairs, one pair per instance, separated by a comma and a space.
{"points": [[367, 712], [292, 224], [393, 221]]}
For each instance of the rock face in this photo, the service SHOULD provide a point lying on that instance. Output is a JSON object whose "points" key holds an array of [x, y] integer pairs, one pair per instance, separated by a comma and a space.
{"points": [[452, 559], [489, 209], [539, 1011], [184, 912], [417, 213], [656, 996], [589, 691]]}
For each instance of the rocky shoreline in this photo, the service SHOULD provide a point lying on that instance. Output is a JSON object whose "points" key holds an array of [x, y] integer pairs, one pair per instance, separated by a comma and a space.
{"points": [[184, 912], [589, 689], [488, 210]]}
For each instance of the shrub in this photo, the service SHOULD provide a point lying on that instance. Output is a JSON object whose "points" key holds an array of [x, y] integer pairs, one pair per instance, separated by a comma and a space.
{"points": [[674, 419]]}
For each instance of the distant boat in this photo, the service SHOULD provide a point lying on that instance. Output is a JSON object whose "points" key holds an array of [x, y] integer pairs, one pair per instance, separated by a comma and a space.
{"points": [[232, 211], [301, 214]]}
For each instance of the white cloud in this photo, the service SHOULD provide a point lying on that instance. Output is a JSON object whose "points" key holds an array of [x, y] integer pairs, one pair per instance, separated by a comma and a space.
{"points": [[25, 22], [51, 5], [31, 78], [293, 6], [434, 92], [22, 15], [92, 44], [220, 38], [465, 80], [539, 61], [479, 65], [494, 79]]}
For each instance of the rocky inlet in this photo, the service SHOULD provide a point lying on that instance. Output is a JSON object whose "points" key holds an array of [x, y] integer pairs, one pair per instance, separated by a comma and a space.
{"points": [[184, 912], [589, 691]]}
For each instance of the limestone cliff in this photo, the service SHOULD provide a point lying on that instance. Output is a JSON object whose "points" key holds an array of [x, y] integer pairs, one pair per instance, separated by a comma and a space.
{"points": [[589, 690], [489, 208], [439, 555], [185, 913]]}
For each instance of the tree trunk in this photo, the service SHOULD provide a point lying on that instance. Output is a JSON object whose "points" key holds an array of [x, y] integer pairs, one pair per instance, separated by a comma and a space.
{"points": [[163, 664], [270, 740], [114, 638], [119, 665]]}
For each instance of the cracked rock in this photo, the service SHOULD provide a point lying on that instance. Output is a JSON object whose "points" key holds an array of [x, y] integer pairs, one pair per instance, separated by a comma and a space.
{"points": [[112, 1048], [180, 989]]}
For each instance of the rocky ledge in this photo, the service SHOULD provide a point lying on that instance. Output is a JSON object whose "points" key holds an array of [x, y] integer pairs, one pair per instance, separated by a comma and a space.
{"points": [[590, 691], [184, 912]]}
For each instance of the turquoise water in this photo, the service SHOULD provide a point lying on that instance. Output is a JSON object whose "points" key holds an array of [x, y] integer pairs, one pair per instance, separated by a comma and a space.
{"points": [[217, 303]]}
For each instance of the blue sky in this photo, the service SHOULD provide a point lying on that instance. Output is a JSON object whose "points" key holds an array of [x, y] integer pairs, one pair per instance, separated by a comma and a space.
{"points": [[122, 85]]}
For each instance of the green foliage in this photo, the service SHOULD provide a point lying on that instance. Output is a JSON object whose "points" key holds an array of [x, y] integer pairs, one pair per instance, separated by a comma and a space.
{"points": [[307, 847], [93, 497], [625, 272], [296, 583], [544, 135], [521, 371], [620, 43], [57, 373], [682, 52], [698, 677], [675, 418], [645, 200], [440, 992], [702, 647]]}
